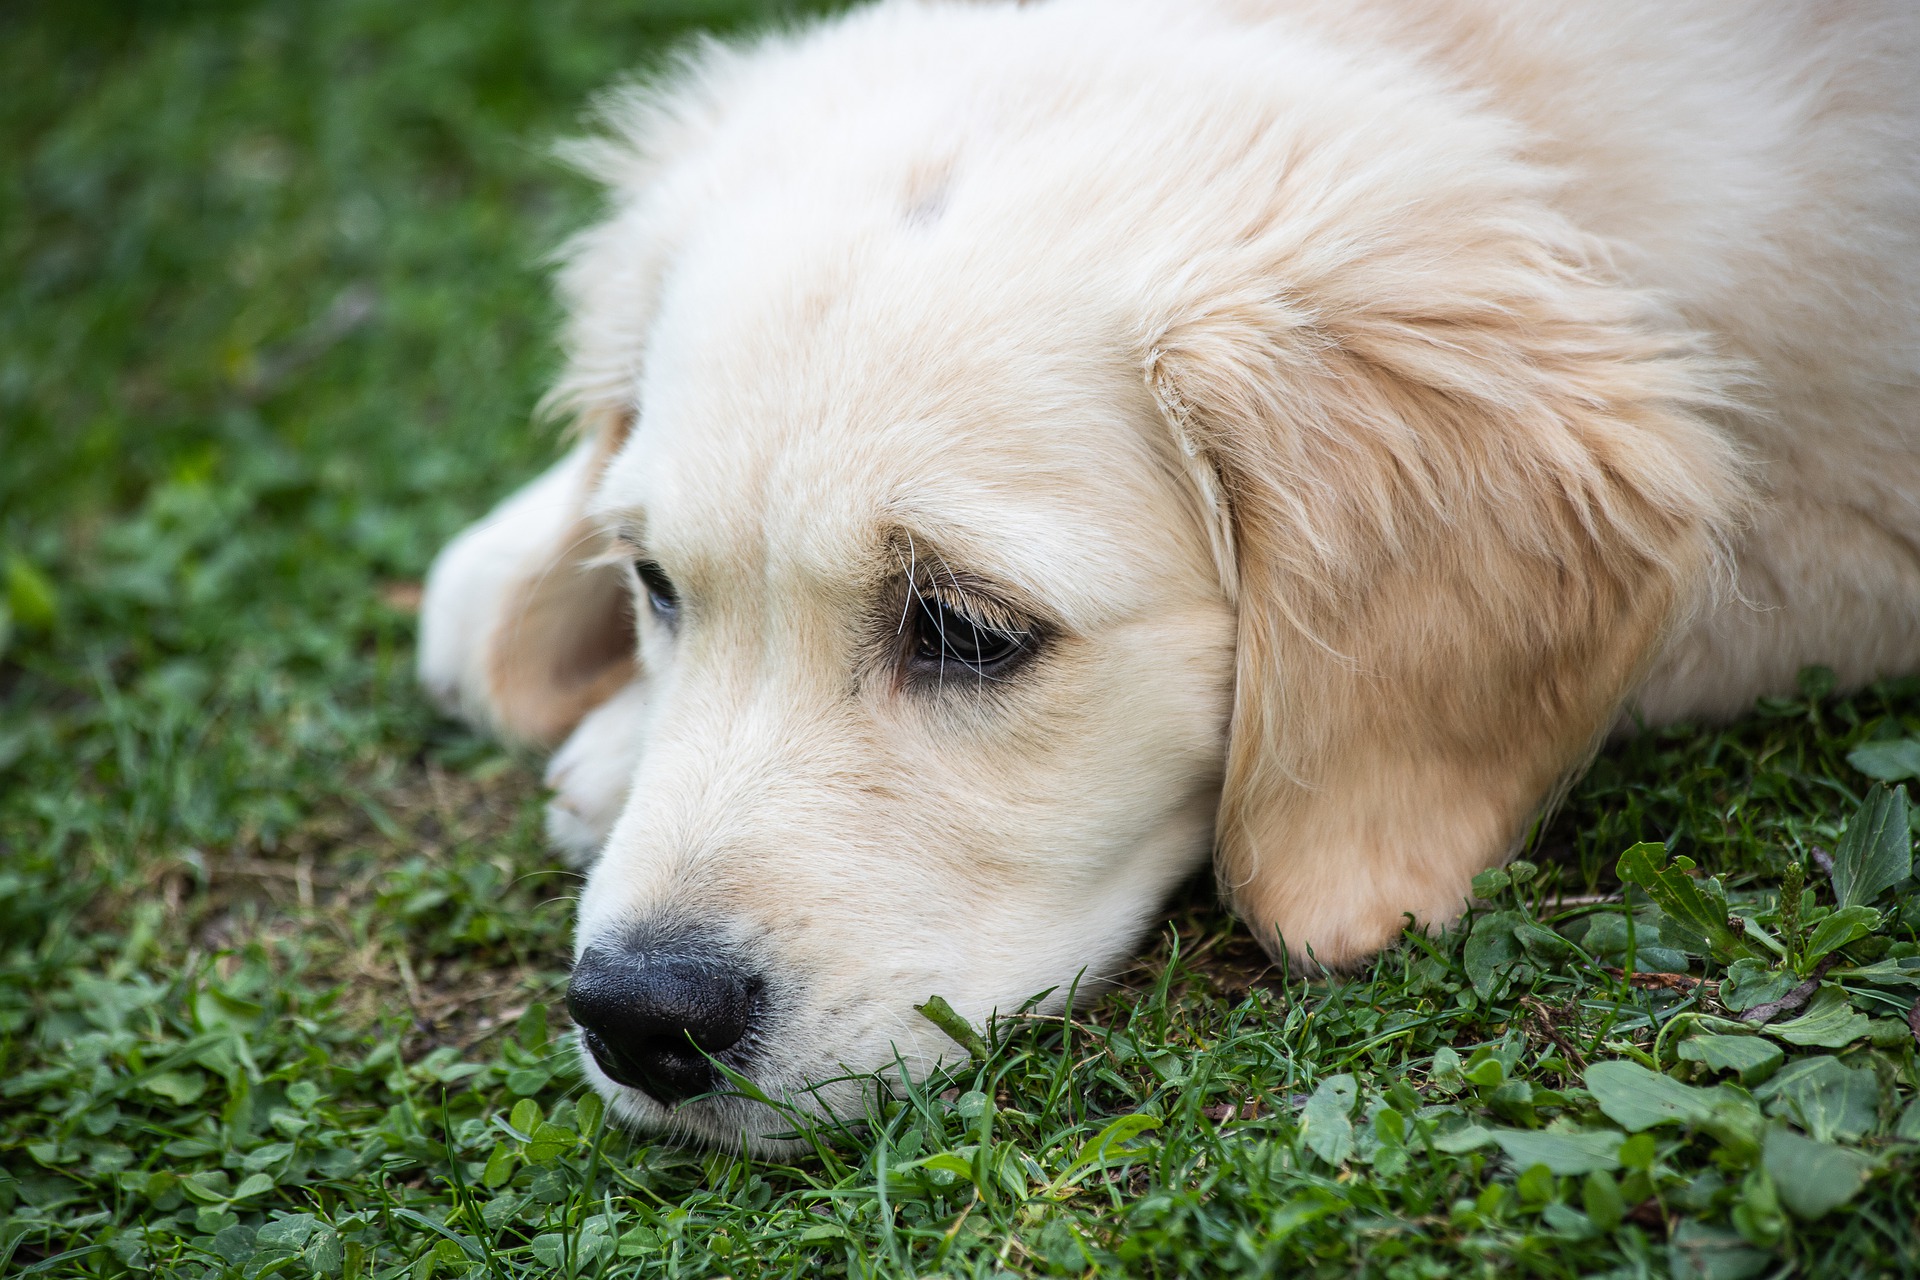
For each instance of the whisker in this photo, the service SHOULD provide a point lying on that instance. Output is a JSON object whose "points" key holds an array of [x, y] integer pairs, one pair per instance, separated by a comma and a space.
{"points": [[913, 593]]}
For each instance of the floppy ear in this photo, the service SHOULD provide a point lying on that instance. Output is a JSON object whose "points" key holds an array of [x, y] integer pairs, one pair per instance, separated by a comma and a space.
{"points": [[523, 627], [1467, 499]]}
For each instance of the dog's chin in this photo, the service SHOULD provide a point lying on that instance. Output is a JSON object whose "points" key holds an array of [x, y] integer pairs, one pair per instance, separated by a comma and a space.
{"points": [[728, 1119]]}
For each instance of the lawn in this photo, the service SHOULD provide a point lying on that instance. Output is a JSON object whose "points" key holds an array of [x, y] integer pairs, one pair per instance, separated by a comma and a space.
{"points": [[281, 952]]}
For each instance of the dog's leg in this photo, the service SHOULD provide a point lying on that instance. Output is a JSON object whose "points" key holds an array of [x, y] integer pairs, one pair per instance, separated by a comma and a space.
{"points": [[472, 581], [590, 774]]}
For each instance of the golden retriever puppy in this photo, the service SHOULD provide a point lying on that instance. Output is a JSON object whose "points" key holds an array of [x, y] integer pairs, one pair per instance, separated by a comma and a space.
{"points": [[1027, 450]]}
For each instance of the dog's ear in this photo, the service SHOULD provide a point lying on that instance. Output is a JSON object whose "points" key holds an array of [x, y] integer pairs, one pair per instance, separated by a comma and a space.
{"points": [[1465, 499], [562, 638]]}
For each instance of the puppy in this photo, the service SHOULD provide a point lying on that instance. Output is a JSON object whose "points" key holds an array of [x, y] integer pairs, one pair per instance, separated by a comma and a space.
{"points": [[1026, 450]]}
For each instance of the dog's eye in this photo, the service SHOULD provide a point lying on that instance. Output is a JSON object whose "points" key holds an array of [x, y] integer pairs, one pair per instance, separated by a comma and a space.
{"points": [[944, 634], [660, 593]]}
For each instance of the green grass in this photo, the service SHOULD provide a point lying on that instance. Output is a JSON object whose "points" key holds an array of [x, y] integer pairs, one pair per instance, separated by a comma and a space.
{"points": [[277, 945]]}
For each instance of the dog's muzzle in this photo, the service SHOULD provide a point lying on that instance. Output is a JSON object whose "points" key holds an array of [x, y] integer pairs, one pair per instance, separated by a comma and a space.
{"points": [[654, 1019]]}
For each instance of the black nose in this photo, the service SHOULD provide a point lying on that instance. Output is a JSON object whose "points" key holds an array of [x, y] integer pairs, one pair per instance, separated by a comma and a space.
{"points": [[651, 1017]]}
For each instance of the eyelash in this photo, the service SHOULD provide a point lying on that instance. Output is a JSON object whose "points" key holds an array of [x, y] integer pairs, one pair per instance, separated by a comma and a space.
{"points": [[661, 595], [939, 631]]}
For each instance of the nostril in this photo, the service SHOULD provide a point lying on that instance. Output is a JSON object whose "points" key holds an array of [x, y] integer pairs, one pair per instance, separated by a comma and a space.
{"points": [[652, 1018]]}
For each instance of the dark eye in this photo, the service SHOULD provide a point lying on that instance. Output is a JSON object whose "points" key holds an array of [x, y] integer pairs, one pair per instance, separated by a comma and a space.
{"points": [[660, 593], [943, 634]]}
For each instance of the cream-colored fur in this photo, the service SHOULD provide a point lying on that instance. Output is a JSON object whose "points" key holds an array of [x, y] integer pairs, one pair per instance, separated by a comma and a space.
{"points": [[1368, 401]]}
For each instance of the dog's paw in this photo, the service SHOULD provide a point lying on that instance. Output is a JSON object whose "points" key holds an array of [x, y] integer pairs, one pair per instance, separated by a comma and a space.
{"points": [[576, 837], [589, 776], [467, 590]]}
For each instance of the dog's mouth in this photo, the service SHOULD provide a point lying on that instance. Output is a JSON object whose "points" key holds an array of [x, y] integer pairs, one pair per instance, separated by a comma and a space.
{"points": [[705, 1040], [723, 1112], [673, 1059], [662, 1070]]}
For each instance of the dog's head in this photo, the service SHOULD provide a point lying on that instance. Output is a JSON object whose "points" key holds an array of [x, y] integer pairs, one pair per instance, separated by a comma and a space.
{"points": [[1028, 482]]}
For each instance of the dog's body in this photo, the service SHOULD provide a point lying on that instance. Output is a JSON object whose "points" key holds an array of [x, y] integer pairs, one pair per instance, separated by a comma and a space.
{"points": [[1326, 415]]}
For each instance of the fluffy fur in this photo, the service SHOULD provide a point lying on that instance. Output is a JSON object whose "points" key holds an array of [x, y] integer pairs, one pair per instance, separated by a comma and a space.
{"points": [[1369, 401]]}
